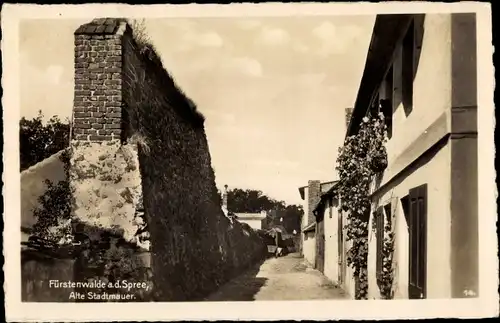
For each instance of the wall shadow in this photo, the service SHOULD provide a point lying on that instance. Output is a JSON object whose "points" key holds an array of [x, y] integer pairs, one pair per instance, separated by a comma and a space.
{"points": [[421, 161], [240, 289]]}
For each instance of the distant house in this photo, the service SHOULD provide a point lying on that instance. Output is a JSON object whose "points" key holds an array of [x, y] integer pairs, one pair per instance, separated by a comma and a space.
{"points": [[311, 195], [421, 69], [256, 221], [331, 243]]}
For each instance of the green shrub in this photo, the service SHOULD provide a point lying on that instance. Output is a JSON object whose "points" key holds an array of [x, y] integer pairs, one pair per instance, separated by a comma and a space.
{"points": [[53, 216]]}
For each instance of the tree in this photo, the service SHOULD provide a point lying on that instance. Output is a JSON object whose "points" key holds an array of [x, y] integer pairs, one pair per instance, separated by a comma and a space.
{"points": [[38, 141], [254, 201], [54, 212], [251, 201], [293, 216]]}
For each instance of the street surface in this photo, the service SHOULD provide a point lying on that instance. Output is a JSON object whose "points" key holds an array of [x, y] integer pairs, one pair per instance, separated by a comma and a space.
{"points": [[284, 278]]}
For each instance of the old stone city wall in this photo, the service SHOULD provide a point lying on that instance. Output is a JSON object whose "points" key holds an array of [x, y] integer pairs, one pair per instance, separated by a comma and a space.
{"points": [[144, 204]]}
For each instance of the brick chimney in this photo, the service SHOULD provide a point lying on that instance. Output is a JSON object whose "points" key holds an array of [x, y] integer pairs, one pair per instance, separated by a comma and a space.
{"points": [[314, 191], [97, 111]]}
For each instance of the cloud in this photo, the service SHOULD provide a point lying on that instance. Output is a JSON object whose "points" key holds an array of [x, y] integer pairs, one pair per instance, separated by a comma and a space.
{"points": [[235, 130], [50, 75], [210, 39], [180, 24], [312, 79], [273, 36], [300, 47], [186, 34], [217, 66], [220, 116], [200, 65], [325, 31], [249, 24], [335, 39], [192, 40], [36, 82], [246, 65], [277, 163]]}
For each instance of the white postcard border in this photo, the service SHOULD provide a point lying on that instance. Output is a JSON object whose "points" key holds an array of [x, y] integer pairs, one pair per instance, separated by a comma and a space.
{"points": [[486, 305]]}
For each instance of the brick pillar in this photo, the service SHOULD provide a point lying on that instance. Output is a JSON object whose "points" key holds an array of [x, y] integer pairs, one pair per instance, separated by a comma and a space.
{"points": [[314, 191], [104, 172], [105, 179], [98, 81]]}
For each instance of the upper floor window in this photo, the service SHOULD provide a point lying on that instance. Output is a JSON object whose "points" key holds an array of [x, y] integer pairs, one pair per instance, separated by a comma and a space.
{"points": [[408, 69], [386, 100], [406, 64], [383, 101]]}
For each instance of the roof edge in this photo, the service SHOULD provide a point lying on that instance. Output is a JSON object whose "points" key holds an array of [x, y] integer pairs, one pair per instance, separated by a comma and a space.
{"points": [[387, 33], [302, 188], [328, 194]]}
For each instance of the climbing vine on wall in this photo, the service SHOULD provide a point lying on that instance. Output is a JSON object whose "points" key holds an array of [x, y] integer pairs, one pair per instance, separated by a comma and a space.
{"points": [[362, 156], [386, 277]]}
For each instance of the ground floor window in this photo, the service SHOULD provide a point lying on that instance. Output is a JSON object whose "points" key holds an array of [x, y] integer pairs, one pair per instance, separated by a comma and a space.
{"points": [[379, 232], [341, 247], [417, 226]]}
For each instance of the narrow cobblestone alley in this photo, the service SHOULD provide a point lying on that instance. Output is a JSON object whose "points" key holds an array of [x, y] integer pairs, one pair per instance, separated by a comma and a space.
{"points": [[284, 278]]}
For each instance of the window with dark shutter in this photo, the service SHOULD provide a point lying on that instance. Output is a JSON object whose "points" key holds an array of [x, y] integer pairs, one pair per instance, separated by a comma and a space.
{"points": [[386, 109], [408, 69], [405, 204], [339, 235], [387, 99], [418, 242], [418, 37], [379, 227], [341, 248]]}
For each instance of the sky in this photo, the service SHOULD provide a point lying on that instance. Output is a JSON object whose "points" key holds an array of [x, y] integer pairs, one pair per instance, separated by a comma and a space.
{"points": [[273, 90]]}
